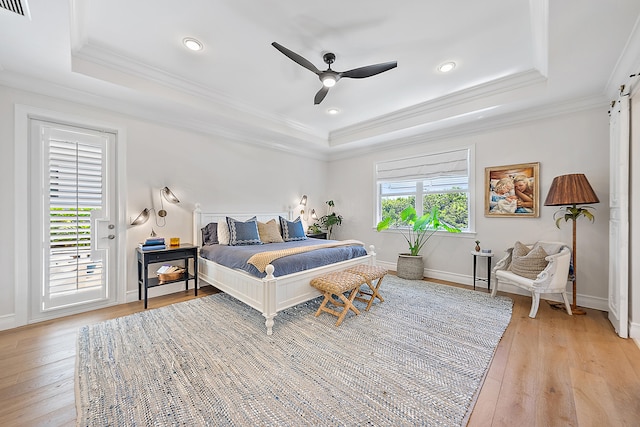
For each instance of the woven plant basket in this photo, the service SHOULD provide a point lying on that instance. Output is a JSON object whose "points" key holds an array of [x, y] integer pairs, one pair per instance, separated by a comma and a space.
{"points": [[410, 267]]}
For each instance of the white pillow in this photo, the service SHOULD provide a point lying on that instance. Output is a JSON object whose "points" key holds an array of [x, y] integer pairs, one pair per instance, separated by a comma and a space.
{"points": [[223, 233]]}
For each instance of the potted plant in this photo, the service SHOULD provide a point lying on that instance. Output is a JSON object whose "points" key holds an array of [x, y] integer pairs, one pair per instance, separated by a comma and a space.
{"points": [[331, 219], [416, 231], [314, 229]]}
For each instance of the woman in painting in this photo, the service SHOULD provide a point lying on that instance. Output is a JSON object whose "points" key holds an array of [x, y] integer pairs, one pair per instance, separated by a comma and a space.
{"points": [[524, 191]]}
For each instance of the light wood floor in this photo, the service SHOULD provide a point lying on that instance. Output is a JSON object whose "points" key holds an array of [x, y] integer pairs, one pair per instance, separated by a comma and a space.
{"points": [[554, 370]]}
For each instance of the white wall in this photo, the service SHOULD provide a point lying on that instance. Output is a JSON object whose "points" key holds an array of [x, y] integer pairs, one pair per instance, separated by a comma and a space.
{"points": [[573, 143], [220, 175]]}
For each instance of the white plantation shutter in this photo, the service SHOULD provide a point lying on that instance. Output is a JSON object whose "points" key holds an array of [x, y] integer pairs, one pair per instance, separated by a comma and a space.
{"points": [[75, 189]]}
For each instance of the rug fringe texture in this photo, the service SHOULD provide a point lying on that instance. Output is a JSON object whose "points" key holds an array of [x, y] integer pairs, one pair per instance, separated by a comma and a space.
{"points": [[419, 358]]}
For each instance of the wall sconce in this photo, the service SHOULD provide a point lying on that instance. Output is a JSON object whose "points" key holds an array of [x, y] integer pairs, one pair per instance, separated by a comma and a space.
{"points": [[303, 203], [166, 194], [143, 217], [314, 216]]}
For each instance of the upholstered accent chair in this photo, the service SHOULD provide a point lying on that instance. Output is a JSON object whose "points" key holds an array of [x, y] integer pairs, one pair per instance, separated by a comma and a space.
{"points": [[540, 268]]}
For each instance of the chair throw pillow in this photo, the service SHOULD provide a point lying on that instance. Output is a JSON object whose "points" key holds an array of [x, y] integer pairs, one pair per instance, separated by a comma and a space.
{"points": [[292, 230], [527, 262], [269, 232], [243, 233]]}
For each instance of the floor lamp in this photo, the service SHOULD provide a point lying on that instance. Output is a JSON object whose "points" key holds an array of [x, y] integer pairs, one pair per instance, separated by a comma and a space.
{"points": [[572, 190]]}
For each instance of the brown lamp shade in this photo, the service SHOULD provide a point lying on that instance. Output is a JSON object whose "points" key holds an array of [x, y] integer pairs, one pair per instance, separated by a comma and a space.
{"points": [[572, 189]]}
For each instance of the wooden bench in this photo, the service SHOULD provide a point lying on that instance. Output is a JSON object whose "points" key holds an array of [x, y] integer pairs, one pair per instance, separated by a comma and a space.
{"points": [[369, 273], [338, 283]]}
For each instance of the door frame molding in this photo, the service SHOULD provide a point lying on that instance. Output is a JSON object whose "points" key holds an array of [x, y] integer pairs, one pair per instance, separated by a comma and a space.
{"points": [[22, 279]]}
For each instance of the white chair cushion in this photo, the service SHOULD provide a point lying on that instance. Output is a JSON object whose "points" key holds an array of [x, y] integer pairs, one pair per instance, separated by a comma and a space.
{"points": [[513, 278]]}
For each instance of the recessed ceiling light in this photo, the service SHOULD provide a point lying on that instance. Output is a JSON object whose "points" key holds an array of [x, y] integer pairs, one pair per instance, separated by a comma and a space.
{"points": [[333, 111], [192, 44], [446, 67]]}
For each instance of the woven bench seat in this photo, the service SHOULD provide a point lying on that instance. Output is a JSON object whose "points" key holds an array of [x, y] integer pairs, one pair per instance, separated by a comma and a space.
{"points": [[369, 273], [338, 283]]}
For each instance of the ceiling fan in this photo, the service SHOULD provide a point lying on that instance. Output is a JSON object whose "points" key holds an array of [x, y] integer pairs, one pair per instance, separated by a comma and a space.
{"points": [[329, 77]]}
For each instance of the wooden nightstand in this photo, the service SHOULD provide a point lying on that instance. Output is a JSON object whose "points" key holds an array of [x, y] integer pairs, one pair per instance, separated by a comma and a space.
{"points": [[184, 252], [318, 236]]}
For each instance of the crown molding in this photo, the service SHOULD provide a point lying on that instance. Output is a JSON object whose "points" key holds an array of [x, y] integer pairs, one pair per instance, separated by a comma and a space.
{"points": [[540, 34], [95, 60], [628, 63], [464, 124], [210, 125], [495, 119], [455, 104]]}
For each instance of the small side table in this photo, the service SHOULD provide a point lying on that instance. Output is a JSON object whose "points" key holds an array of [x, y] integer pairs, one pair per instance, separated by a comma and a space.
{"points": [[318, 235], [185, 251], [488, 256]]}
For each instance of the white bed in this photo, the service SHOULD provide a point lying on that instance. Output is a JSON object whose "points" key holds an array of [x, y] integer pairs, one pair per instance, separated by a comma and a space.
{"points": [[270, 294]]}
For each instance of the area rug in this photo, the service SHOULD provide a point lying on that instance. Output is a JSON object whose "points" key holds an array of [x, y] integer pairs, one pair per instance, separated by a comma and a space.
{"points": [[418, 358]]}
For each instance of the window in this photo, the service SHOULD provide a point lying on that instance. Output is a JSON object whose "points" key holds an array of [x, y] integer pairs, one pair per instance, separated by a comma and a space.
{"points": [[439, 179]]}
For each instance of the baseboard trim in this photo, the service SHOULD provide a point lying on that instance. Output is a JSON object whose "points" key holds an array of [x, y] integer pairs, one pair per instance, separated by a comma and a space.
{"points": [[158, 291], [634, 332], [583, 300], [8, 321]]}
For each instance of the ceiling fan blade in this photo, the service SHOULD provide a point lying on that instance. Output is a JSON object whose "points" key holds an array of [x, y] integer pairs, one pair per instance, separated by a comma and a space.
{"points": [[296, 58], [369, 70], [320, 95]]}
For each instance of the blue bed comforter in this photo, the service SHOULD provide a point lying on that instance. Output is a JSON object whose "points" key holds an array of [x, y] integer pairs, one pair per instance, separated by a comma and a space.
{"points": [[237, 256]]}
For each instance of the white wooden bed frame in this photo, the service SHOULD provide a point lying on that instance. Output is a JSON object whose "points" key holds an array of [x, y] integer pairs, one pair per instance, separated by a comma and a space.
{"points": [[270, 294]]}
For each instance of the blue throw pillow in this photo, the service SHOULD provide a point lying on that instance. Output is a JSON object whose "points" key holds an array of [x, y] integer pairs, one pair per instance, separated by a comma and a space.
{"points": [[243, 233], [292, 230]]}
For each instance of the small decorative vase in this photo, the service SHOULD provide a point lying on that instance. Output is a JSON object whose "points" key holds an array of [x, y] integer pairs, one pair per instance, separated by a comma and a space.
{"points": [[477, 248]]}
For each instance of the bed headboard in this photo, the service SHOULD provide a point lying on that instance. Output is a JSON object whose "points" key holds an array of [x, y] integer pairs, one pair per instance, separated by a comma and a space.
{"points": [[200, 219]]}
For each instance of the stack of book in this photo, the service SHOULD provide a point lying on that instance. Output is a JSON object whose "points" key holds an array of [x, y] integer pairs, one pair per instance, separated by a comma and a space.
{"points": [[153, 244]]}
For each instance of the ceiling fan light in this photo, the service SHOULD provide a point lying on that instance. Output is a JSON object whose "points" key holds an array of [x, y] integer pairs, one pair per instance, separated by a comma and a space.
{"points": [[328, 81]]}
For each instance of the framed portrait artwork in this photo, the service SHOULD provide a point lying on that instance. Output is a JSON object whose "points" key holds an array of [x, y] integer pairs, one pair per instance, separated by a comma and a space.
{"points": [[512, 190]]}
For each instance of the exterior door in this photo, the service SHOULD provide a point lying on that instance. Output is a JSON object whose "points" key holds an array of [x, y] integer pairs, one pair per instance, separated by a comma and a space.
{"points": [[73, 232]]}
